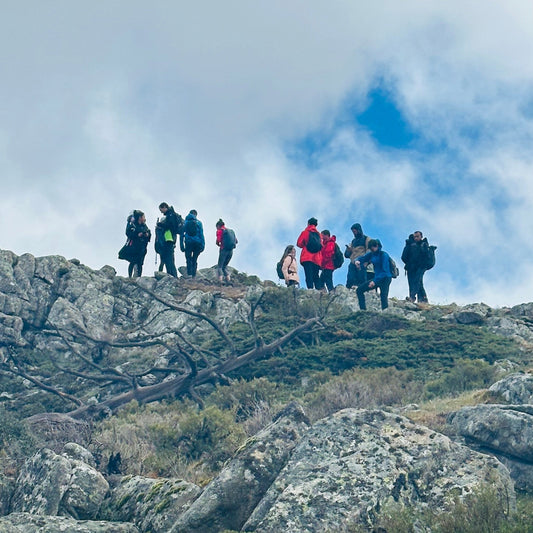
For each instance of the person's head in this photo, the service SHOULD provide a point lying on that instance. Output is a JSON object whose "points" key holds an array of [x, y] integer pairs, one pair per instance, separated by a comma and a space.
{"points": [[163, 207], [417, 236], [220, 223], [356, 229], [138, 217], [373, 244], [289, 250], [312, 222], [193, 212], [326, 232]]}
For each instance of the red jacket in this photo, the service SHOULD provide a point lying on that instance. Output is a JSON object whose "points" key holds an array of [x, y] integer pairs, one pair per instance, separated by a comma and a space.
{"points": [[328, 251], [220, 233], [306, 255]]}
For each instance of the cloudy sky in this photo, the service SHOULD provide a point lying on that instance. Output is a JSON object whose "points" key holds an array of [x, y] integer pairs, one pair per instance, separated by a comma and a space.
{"points": [[398, 115]]}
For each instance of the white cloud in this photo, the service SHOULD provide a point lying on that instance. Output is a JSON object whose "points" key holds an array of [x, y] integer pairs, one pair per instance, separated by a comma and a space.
{"points": [[110, 107]]}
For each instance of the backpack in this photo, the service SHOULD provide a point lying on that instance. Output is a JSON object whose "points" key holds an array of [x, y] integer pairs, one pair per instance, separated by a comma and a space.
{"points": [[229, 240], [175, 221], [314, 242], [191, 227], [431, 257], [279, 270], [393, 268], [159, 244], [338, 257]]}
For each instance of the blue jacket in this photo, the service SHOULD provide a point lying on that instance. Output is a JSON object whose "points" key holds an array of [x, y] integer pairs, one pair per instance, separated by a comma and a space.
{"points": [[198, 239], [381, 262]]}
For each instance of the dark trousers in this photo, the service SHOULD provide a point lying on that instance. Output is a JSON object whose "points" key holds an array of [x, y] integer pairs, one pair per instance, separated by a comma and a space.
{"points": [[192, 251], [167, 259], [224, 257], [415, 279], [312, 275], [383, 285], [356, 276], [326, 278]]}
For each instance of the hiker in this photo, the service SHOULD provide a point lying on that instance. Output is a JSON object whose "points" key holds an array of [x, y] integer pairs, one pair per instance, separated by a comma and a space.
{"points": [[357, 248], [226, 241], [289, 267], [415, 256], [328, 251], [382, 274], [311, 256], [166, 231], [192, 241], [134, 250]]}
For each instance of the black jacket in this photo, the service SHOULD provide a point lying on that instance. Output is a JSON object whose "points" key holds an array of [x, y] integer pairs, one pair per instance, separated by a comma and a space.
{"points": [[415, 254]]}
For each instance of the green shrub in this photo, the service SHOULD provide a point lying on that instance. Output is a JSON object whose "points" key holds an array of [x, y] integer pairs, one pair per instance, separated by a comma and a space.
{"points": [[465, 375]]}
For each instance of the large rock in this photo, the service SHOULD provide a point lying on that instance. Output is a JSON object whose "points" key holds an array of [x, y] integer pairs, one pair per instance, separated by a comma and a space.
{"points": [[348, 466], [504, 430], [228, 500], [29, 523], [515, 388], [51, 484], [7, 486], [153, 505]]}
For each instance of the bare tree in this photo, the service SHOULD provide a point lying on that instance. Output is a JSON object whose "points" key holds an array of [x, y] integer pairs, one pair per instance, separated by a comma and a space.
{"points": [[189, 363]]}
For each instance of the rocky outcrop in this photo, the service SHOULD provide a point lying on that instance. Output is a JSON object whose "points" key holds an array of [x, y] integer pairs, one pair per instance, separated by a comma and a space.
{"points": [[7, 486], [228, 500], [28, 523], [515, 389], [348, 466], [153, 505], [504, 430], [51, 484]]}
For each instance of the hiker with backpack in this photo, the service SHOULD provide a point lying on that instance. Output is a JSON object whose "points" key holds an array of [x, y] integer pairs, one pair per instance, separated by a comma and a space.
{"points": [[226, 241], [166, 232], [311, 256], [418, 257], [357, 248], [328, 253], [288, 267], [134, 251], [192, 241], [382, 273]]}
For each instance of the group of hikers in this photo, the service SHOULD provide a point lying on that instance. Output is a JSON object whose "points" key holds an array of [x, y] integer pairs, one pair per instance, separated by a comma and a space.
{"points": [[370, 267], [169, 229]]}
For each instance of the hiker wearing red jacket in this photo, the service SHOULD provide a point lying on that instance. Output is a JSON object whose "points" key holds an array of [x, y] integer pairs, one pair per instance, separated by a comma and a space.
{"points": [[328, 251], [311, 256]]}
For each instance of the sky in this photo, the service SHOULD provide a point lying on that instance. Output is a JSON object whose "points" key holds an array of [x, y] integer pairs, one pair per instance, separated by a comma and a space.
{"points": [[402, 116]]}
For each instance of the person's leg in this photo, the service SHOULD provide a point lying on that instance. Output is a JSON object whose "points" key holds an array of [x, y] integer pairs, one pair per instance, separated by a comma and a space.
{"points": [[317, 283], [188, 259], [360, 276], [220, 265], [351, 278], [130, 269], [309, 273], [422, 296], [384, 285], [361, 295], [171, 261], [228, 254], [413, 284], [194, 259], [326, 278]]}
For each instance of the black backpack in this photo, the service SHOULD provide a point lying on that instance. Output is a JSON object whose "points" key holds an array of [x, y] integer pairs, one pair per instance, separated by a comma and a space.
{"points": [[430, 261], [338, 257], [279, 270], [229, 240], [175, 221], [191, 227], [314, 242]]}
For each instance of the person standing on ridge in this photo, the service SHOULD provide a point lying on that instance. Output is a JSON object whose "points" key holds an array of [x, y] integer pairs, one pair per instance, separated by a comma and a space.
{"points": [[192, 241], [166, 231], [382, 274], [358, 247], [328, 251], [226, 241], [134, 251], [311, 256], [415, 256], [289, 267]]}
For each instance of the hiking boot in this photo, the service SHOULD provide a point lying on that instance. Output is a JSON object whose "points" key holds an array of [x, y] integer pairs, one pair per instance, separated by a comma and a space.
{"points": [[228, 278]]}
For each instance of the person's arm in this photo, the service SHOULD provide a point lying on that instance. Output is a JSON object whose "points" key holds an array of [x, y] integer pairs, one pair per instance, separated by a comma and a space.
{"points": [[362, 259], [302, 239], [285, 267]]}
